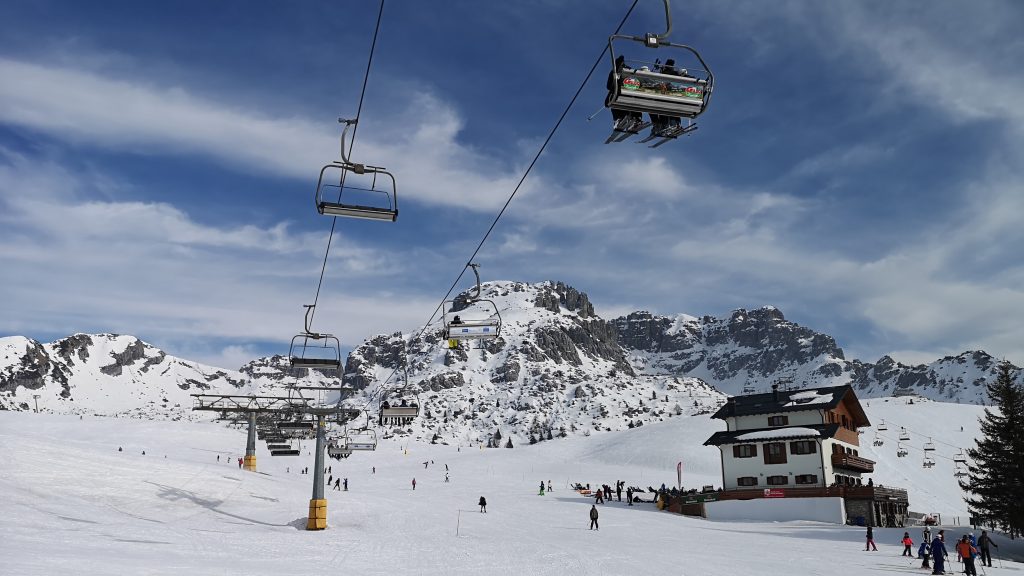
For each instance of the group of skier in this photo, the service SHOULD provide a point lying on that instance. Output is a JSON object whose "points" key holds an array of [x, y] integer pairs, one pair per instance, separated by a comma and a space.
{"points": [[933, 551]]}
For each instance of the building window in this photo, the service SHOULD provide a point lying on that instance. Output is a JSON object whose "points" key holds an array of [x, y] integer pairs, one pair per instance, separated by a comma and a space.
{"points": [[807, 479], [803, 447], [778, 420], [747, 481], [744, 451], [775, 453], [778, 480]]}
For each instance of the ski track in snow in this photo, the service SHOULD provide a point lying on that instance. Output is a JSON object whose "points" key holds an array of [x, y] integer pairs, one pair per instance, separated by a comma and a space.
{"points": [[74, 504]]}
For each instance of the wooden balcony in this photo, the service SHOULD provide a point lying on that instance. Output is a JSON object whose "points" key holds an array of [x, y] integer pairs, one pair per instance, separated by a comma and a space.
{"points": [[851, 462]]}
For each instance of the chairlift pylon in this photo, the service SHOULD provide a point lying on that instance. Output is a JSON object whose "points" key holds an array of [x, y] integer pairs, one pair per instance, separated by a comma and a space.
{"points": [[457, 329], [314, 350], [354, 199], [666, 92]]}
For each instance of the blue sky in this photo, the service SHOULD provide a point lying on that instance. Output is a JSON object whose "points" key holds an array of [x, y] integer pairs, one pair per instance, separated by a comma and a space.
{"points": [[860, 167]]}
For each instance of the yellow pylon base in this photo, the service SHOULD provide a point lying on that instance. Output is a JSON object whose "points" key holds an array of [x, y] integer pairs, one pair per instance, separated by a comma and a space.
{"points": [[317, 514], [249, 463]]}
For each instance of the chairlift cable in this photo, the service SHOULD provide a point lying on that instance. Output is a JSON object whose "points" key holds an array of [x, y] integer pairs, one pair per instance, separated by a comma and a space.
{"points": [[526, 173], [352, 142]]}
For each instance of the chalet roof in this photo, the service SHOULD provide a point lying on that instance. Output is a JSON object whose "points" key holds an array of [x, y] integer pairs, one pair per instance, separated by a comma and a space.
{"points": [[822, 431], [792, 401]]}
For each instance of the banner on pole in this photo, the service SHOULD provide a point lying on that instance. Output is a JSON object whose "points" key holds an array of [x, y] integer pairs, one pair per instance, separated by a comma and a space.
{"points": [[679, 474]]}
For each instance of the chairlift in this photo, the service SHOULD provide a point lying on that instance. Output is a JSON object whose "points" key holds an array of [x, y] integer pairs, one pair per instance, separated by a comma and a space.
{"points": [[901, 451], [314, 350], [928, 462], [882, 427], [457, 329], [960, 457], [338, 450], [929, 446], [666, 92], [359, 440], [904, 435], [878, 441], [399, 414], [358, 188]]}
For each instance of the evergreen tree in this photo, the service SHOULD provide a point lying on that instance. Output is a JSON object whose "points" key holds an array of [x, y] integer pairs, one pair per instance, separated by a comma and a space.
{"points": [[549, 434], [509, 444], [533, 439], [996, 480]]}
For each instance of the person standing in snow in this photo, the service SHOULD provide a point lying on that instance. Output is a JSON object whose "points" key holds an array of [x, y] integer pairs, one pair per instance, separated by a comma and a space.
{"points": [[549, 485], [413, 483], [983, 546], [330, 479], [346, 484], [907, 545], [871, 540], [600, 497], [541, 493], [967, 552], [593, 517], [218, 457], [425, 464], [239, 461], [939, 553], [446, 477], [336, 484], [618, 490], [373, 470], [629, 496], [483, 505]]}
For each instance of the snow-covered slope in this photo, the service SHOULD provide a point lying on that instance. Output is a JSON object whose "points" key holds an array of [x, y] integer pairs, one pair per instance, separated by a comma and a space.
{"points": [[74, 504]]}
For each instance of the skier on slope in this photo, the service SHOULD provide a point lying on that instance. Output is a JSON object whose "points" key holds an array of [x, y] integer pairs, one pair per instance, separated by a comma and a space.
{"points": [[907, 545], [413, 483], [983, 545], [593, 517], [483, 505], [871, 540], [939, 553], [541, 493]]}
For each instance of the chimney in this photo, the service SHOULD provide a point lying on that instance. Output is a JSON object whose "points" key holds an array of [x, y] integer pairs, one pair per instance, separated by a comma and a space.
{"points": [[775, 392]]}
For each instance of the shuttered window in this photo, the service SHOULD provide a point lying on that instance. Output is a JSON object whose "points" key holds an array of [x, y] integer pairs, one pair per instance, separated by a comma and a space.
{"points": [[775, 453], [744, 451], [778, 480], [803, 447], [747, 481]]}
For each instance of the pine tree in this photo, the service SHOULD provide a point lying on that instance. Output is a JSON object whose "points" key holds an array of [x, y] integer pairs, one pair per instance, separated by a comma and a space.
{"points": [[996, 479], [509, 444]]}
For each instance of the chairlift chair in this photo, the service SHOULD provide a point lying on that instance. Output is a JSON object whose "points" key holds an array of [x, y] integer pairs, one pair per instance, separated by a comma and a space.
{"points": [[878, 441], [882, 427], [904, 435], [928, 462], [399, 414], [314, 350], [929, 446], [337, 449], [360, 440], [662, 91], [901, 451], [457, 329], [356, 188], [960, 457]]}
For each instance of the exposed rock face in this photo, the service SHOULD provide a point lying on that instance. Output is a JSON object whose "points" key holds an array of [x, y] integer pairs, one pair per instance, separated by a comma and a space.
{"points": [[752, 349]]}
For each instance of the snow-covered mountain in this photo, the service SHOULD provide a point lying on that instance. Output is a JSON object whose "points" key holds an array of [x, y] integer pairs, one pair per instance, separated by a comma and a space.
{"points": [[750, 350], [106, 374], [556, 368]]}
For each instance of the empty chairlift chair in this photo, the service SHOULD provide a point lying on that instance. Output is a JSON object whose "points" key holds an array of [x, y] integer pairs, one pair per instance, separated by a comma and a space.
{"points": [[929, 446], [960, 457], [904, 435], [882, 427], [354, 190], [314, 350], [667, 93]]}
